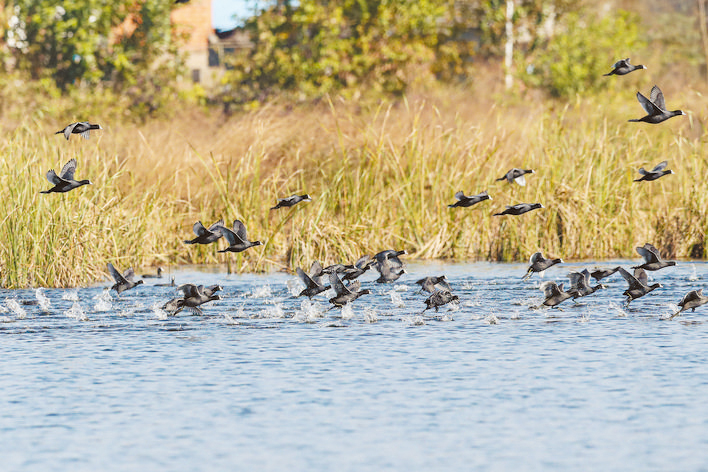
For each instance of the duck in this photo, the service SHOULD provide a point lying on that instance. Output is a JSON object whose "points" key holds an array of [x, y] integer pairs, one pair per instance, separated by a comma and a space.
{"points": [[657, 172], [237, 239], [123, 281], [655, 107], [539, 264], [345, 294], [554, 293], [623, 67], [64, 182], [82, 128], [291, 201], [691, 301], [519, 209], [599, 274], [193, 297], [580, 284], [158, 275], [428, 284], [638, 284], [439, 298], [206, 236], [312, 287], [170, 284], [358, 269], [652, 259], [516, 175], [468, 201]]}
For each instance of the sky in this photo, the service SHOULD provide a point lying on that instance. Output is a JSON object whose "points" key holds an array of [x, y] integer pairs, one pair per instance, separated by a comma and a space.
{"points": [[222, 12]]}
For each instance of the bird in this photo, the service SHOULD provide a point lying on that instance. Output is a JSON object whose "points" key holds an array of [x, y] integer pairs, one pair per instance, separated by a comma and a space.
{"points": [[652, 259], [193, 297], [170, 284], [334, 268], [468, 201], [82, 128], [580, 284], [291, 201], [363, 264], [206, 236], [638, 284], [691, 301], [428, 284], [312, 287], [316, 272], [389, 265], [554, 293], [519, 209], [345, 294], [123, 281], [623, 67], [154, 276], [65, 180], [539, 264], [237, 239], [516, 175], [439, 298], [655, 107], [390, 255], [655, 173], [599, 274]]}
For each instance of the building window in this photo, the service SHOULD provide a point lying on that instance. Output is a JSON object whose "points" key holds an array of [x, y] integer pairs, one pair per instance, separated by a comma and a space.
{"points": [[196, 73]]}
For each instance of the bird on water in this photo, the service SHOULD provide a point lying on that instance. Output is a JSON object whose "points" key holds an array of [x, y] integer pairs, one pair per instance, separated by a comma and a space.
{"points": [[124, 281], [655, 173], [65, 180], [439, 298], [623, 67], [539, 264], [655, 107], [345, 294], [638, 284], [82, 128]]}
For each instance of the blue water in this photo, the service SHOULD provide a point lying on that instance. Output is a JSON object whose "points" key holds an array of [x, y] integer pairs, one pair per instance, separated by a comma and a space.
{"points": [[263, 381]]}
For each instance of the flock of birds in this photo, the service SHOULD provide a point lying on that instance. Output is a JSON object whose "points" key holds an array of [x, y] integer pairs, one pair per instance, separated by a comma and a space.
{"points": [[342, 278]]}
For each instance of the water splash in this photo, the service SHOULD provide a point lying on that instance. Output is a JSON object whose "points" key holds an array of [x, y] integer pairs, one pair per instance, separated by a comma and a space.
{"points": [[275, 311], [263, 291], [71, 295], [42, 300], [159, 313], [104, 301], [491, 319], [229, 319], [397, 300], [77, 312], [370, 316], [416, 320], [15, 307], [447, 317], [694, 276], [295, 287], [617, 310], [308, 312], [400, 287], [347, 312]]}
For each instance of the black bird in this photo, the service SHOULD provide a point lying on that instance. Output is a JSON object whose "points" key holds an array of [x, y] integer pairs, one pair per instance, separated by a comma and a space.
{"points": [[345, 294], [428, 283], [237, 239], [655, 173], [170, 284], [554, 293], [193, 297], [154, 276], [363, 264], [65, 180], [623, 67], [291, 201], [519, 209], [439, 298], [468, 201], [638, 284], [206, 236], [580, 284], [600, 274], [123, 281], [312, 287], [334, 269], [539, 264], [390, 255], [316, 272], [655, 107], [652, 259], [516, 175], [691, 301], [82, 128], [389, 265]]}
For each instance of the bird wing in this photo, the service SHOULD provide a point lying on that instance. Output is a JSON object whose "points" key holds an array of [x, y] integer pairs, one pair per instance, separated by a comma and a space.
{"points": [[240, 230], [129, 274], [648, 105], [69, 129], [657, 97], [363, 261], [219, 223], [621, 63], [316, 269], [230, 236], [117, 276], [67, 172], [660, 166], [460, 195], [631, 279], [189, 290], [648, 255], [521, 180], [550, 289], [354, 286], [586, 276], [536, 257], [309, 283], [643, 171], [690, 296], [199, 229], [641, 276], [53, 178], [576, 280], [337, 284]]}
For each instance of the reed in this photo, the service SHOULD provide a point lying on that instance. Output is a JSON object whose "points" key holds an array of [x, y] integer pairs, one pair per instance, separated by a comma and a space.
{"points": [[380, 174]]}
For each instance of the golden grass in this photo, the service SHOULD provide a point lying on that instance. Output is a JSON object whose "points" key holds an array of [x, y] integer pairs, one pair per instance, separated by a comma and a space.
{"points": [[381, 176]]}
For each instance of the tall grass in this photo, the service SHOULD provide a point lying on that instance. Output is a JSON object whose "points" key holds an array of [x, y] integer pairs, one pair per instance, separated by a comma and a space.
{"points": [[380, 174]]}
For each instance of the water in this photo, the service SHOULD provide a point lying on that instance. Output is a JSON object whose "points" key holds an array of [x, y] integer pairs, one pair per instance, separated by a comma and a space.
{"points": [[263, 381]]}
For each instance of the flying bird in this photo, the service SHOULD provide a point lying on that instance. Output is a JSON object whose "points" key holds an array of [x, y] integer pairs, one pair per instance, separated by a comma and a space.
{"points": [[539, 264], [124, 281], [623, 67], [345, 294], [638, 284], [554, 293], [82, 128], [291, 201], [655, 173], [65, 180], [652, 259], [516, 175], [655, 107], [468, 201], [691, 301], [519, 209], [206, 236], [237, 239]]}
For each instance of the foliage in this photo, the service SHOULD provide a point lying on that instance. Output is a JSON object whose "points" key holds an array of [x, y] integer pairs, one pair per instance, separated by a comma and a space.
{"points": [[573, 63]]}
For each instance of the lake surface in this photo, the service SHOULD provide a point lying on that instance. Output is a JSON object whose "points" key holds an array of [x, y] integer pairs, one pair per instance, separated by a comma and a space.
{"points": [[264, 381]]}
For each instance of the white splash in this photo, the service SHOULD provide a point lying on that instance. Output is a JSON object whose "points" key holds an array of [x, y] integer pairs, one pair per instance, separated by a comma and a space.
{"points": [[159, 313], [42, 300], [275, 311], [491, 319], [400, 287], [308, 312], [77, 312], [104, 301], [347, 312], [396, 299], [370, 316], [16, 308], [71, 295], [618, 310], [693, 277], [261, 292], [584, 318], [295, 287], [414, 320], [229, 319], [447, 317]]}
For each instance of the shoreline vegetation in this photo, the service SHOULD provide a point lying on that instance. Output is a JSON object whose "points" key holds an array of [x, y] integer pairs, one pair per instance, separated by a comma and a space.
{"points": [[381, 174]]}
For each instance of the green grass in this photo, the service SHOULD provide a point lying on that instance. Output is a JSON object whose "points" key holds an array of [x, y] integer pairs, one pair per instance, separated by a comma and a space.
{"points": [[381, 176]]}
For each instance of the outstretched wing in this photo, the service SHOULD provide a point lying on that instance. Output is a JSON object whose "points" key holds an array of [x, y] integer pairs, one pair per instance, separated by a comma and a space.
{"points": [[576, 280], [69, 129], [53, 178], [309, 283], [199, 229], [648, 105], [647, 253], [621, 63], [660, 166], [536, 257], [521, 180], [129, 274], [219, 223], [631, 280], [641, 276], [117, 276], [67, 172], [657, 97], [240, 230], [337, 284], [230, 236], [189, 290], [550, 289], [460, 195]]}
